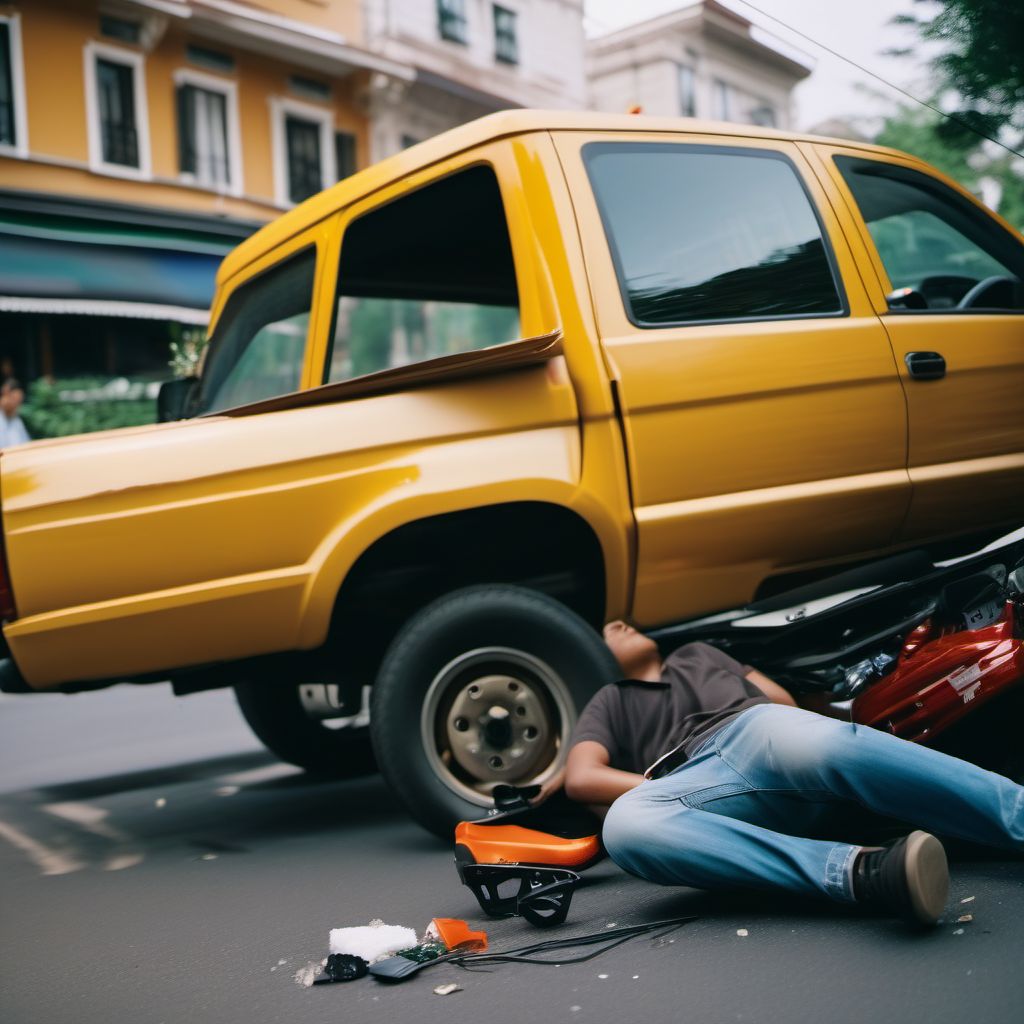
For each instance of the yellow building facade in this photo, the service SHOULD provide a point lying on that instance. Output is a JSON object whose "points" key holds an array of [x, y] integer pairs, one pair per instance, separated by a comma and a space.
{"points": [[140, 140]]}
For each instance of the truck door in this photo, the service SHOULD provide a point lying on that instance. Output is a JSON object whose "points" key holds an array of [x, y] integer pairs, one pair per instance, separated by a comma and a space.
{"points": [[764, 419], [949, 290]]}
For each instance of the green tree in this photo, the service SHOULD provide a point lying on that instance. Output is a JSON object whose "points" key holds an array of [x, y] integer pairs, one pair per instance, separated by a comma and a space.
{"points": [[963, 156], [981, 60]]}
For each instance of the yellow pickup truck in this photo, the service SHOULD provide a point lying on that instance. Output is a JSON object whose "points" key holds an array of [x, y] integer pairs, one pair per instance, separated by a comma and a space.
{"points": [[541, 371]]}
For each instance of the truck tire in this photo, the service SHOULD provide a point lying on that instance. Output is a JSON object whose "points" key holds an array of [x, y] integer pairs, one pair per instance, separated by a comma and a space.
{"points": [[479, 688], [276, 714]]}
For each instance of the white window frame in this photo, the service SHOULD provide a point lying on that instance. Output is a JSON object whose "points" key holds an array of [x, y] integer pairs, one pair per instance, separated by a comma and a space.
{"points": [[280, 108], [20, 147], [92, 53], [229, 90]]}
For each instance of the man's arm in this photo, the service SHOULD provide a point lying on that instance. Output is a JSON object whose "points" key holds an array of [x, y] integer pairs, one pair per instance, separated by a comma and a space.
{"points": [[771, 689], [590, 779]]}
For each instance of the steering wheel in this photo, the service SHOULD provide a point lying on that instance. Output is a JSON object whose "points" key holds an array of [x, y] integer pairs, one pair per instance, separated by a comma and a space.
{"points": [[982, 288]]}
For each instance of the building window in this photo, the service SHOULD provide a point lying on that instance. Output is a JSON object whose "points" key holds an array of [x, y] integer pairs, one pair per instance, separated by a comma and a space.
{"points": [[451, 20], [723, 101], [209, 147], [116, 102], [204, 57], [506, 42], [122, 29], [13, 130], [763, 115], [304, 152], [687, 91], [344, 154], [310, 88]]}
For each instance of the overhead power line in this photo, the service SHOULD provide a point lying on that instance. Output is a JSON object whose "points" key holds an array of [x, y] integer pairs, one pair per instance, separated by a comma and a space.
{"points": [[867, 71]]}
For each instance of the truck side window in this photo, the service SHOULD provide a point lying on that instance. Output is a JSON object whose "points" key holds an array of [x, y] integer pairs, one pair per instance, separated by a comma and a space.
{"points": [[426, 275], [258, 347], [932, 242], [705, 234]]}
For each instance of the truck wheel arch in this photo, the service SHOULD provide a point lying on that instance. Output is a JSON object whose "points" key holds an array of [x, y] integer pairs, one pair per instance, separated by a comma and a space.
{"points": [[537, 544]]}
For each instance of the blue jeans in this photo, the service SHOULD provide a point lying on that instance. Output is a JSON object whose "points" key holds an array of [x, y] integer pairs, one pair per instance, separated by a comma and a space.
{"points": [[742, 810]]}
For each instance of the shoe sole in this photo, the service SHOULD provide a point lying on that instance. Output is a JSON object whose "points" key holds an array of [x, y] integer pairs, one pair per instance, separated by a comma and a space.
{"points": [[927, 873]]}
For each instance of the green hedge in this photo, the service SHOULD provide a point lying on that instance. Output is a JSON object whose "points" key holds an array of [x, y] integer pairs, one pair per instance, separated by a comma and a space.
{"points": [[49, 412]]}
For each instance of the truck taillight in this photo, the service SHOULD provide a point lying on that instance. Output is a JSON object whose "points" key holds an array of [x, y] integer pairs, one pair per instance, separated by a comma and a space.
{"points": [[7, 609]]}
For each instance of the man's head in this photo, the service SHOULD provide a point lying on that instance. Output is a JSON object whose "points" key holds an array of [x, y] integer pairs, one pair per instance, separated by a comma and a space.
{"points": [[637, 654], [12, 394]]}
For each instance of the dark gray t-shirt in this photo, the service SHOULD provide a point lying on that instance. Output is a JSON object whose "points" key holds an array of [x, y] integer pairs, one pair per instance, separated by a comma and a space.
{"points": [[639, 723]]}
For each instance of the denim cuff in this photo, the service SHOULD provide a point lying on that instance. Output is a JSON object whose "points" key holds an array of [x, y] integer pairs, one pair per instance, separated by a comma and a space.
{"points": [[839, 872]]}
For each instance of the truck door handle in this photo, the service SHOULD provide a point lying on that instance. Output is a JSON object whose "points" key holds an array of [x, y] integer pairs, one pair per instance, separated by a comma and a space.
{"points": [[925, 365]]}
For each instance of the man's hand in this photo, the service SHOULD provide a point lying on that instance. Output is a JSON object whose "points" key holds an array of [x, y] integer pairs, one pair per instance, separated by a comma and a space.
{"points": [[549, 788]]}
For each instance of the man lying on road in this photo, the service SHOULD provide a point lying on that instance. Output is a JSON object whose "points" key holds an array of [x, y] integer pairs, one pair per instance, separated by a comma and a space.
{"points": [[740, 779]]}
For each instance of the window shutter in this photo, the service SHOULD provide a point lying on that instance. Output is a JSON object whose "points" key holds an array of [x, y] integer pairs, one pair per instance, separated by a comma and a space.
{"points": [[186, 129]]}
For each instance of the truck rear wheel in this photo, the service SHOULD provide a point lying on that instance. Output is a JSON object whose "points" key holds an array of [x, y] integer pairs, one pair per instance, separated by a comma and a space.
{"points": [[480, 688], [298, 728]]}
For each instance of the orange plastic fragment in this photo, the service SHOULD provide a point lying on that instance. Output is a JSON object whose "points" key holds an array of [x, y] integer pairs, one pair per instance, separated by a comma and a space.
{"points": [[457, 934]]}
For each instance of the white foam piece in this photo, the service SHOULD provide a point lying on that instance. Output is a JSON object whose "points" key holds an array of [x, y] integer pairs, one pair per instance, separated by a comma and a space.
{"points": [[372, 942]]}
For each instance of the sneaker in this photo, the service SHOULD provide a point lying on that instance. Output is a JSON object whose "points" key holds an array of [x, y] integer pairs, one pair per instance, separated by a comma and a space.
{"points": [[910, 877]]}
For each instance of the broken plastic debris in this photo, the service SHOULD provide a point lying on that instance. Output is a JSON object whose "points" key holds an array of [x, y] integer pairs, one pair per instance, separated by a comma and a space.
{"points": [[305, 976], [372, 942], [446, 990], [635, 976], [958, 931], [612, 924], [964, 918], [602, 975], [967, 899], [455, 934], [160, 801], [742, 932], [342, 967]]}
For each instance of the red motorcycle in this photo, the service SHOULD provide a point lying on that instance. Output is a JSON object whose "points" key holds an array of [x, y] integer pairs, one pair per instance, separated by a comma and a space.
{"points": [[931, 652]]}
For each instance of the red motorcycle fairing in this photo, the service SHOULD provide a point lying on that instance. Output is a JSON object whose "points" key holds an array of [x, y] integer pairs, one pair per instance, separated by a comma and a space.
{"points": [[941, 675]]}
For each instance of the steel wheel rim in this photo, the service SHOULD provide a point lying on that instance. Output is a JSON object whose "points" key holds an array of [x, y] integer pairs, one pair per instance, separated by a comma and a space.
{"points": [[448, 694]]}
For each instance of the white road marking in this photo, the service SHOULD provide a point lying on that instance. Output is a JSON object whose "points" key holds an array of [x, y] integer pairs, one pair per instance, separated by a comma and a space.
{"points": [[93, 819], [49, 862], [256, 775]]}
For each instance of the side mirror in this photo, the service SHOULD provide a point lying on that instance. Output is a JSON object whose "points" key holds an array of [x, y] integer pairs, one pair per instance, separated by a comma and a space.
{"points": [[176, 399]]}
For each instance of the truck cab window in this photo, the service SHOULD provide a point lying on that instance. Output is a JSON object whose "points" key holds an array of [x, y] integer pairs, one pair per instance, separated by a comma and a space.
{"points": [[259, 344], [427, 275], [708, 234], [935, 246]]}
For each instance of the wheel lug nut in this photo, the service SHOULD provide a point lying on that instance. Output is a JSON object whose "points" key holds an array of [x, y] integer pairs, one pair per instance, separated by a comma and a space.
{"points": [[495, 762], [513, 687], [461, 724], [530, 732], [520, 710]]}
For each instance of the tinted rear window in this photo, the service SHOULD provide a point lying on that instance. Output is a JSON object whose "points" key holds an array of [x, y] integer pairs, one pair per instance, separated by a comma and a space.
{"points": [[703, 233]]}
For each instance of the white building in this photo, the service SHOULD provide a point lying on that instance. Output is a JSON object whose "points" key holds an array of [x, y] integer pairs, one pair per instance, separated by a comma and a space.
{"points": [[470, 57], [703, 60]]}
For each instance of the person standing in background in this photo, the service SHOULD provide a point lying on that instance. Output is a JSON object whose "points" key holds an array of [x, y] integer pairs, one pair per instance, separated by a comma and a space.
{"points": [[12, 430]]}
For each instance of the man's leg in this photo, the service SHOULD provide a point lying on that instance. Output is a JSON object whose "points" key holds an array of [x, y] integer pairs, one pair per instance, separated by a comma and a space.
{"points": [[787, 750], [656, 832]]}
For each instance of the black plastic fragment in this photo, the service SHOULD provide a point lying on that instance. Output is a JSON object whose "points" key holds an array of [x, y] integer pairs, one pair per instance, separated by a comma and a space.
{"points": [[343, 967]]}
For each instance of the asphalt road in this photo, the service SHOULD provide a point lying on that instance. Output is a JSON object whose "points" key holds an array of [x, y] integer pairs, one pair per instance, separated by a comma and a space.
{"points": [[157, 866]]}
